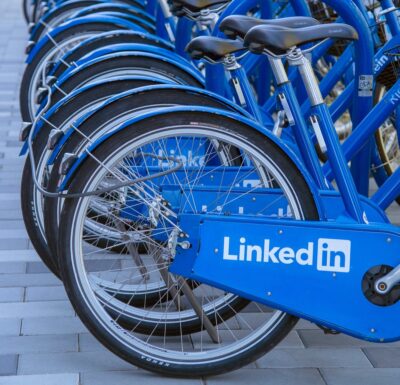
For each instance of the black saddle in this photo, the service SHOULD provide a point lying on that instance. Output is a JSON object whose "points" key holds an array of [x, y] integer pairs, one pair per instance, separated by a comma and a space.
{"points": [[213, 48], [195, 5], [279, 39], [238, 25]]}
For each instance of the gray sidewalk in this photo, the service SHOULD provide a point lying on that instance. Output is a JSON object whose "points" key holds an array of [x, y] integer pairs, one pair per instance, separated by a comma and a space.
{"points": [[42, 341]]}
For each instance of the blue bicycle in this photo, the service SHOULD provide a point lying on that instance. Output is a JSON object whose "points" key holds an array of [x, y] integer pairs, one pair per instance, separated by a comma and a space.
{"points": [[224, 201]]}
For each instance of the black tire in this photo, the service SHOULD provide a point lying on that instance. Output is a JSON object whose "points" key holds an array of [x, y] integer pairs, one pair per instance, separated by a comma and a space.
{"points": [[94, 316], [26, 10], [68, 110], [118, 108], [31, 69], [104, 40]]}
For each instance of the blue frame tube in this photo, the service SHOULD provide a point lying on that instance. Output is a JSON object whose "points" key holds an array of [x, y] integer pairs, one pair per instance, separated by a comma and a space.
{"points": [[339, 165], [391, 17], [388, 192], [303, 137], [364, 54], [248, 103]]}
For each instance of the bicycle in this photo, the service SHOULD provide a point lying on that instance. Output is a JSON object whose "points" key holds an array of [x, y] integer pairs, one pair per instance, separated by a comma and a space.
{"points": [[287, 201]]}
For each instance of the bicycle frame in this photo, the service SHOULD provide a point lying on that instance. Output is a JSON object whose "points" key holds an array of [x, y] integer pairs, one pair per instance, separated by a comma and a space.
{"points": [[259, 257]]}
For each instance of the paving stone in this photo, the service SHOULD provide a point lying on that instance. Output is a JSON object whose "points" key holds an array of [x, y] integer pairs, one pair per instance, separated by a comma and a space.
{"points": [[9, 203], [35, 309], [302, 376], [8, 364], [36, 268], [13, 224], [46, 293], [12, 267], [306, 325], [11, 280], [12, 294], [134, 377], [19, 256], [52, 325], [314, 358], [12, 244], [70, 362], [44, 379], [37, 344], [10, 326], [374, 376], [383, 357], [88, 343]]}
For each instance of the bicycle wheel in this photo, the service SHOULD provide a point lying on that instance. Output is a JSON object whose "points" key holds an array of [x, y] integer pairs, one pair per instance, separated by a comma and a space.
{"points": [[105, 120], [138, 150]]}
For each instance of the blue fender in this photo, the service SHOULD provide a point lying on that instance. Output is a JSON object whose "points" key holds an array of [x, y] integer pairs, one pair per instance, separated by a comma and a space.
{"points": [[105, 35], [122, 7], [143, 24], [172, 110], [187, 67], [232, 106], [142, 3], [119, 24], [70, 96], [133, 47]]}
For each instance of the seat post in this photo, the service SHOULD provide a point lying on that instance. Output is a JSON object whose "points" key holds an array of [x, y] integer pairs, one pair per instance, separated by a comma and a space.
{"points": [[243, 92], [324, 129], [297, 58], [207, 20]]}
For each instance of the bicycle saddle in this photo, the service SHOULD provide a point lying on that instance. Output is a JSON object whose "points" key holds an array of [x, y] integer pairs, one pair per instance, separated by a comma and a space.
{"points": [[195, 5], [279, 40], [238, 25], [213, 48]]}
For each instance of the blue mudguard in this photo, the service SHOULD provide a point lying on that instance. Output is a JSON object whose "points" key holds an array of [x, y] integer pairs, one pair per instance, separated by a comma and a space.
{"points": [[119, 24], [105, 36], [319, 276], [234, 116], [130, 9], [135, 47], [144, 25], [187, 67]]}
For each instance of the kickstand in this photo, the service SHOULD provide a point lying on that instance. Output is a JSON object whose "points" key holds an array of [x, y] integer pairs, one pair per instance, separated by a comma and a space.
{"points": [[208, 326], [132, 248]]}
